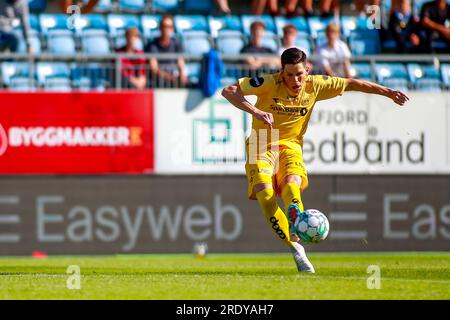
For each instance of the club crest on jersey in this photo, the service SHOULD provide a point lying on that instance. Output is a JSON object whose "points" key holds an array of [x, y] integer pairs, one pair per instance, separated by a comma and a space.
{"points": [[256, 81]]}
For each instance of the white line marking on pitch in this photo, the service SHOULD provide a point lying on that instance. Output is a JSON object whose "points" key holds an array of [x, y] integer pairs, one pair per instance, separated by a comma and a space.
{"points": [[382, 279]]}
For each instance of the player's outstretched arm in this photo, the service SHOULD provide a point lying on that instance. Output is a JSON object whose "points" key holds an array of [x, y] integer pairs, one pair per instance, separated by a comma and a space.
{"points": [[235, 96], [370, 87]]}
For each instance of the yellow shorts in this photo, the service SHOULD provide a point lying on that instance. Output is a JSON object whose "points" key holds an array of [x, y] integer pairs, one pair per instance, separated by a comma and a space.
{"points": [[273, 166]]}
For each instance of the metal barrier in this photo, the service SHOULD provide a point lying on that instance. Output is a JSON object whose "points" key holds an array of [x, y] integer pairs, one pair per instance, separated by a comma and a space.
{"points": [[114, 71]]}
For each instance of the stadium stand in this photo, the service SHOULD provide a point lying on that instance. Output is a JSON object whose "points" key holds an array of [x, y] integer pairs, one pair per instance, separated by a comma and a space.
{"points": [[99, 34], [165, 5], [132, 6], [103, 6]]}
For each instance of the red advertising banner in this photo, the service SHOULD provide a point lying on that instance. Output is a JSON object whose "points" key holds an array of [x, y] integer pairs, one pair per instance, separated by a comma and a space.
{"points": [[76, 132]]}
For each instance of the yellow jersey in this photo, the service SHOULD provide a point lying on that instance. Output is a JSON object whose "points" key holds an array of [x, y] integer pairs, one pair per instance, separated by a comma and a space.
{"points": [[291, 113]]}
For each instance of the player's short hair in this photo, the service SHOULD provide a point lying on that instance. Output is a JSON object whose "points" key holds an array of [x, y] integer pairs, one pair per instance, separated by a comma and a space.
{"points": [[292, 56]]}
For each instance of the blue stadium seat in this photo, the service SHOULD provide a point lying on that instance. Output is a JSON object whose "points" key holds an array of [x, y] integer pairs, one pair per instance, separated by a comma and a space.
{"points": [[37, 6], [396, 83], [95, 42], [392, 74], [361, 70], [364, 42], [89, 22], [430, 85], [150, 26], [58, 83], [196, 42], [389, 44], [351, 24], [193, 71], [190, 23], [92, 75], [83, 84], [22, 84], [196, 6], [317, 25], [34, 35], [445, 72], [217, 24], [299, 22], [10, 70], [440, 45], [134, 6], [34, 22], [48, 70], [418, 71], [231, 71], [103, 6], [35, 42], [304, 43], [391, 70], [321, 39], [230, 42], [118, 23], [425, 77], [61, 42], [165, 5], [49, 22], [247, 20], [271, 41]]}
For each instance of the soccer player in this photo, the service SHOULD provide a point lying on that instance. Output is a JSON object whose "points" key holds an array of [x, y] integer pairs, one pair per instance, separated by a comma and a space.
{"points": [[274, 164]]}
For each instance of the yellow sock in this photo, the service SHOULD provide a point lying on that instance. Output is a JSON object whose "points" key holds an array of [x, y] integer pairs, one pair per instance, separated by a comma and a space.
{"points": [[275, 217], [290, 193]]}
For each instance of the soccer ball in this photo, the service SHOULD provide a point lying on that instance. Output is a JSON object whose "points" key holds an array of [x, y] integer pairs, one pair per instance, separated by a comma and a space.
{"points": [[311, 226]]}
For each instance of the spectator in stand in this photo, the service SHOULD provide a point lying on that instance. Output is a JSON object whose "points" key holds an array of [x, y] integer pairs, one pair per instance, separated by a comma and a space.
{"points": [[9, 11], [404, 27], [223, 6], [435, 19], [289, 36], [334, 56], [133, 70], [85, 7], [257, 30], [328, 8], [258, 7], [288, 41], [172, 70]]}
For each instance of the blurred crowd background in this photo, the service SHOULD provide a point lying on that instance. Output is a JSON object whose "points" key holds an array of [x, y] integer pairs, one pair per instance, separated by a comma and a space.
{"points": [[137, 44]]}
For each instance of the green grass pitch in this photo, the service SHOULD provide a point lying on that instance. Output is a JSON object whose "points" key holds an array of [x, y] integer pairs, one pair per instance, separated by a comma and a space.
{"points": [[228, 276]]}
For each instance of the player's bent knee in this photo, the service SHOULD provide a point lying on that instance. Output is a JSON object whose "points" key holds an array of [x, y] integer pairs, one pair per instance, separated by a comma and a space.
{"points": [[292, 178]]}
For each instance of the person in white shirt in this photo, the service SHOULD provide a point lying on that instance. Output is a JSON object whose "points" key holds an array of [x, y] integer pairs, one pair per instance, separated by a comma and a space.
{"points": [[334, 56]]}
